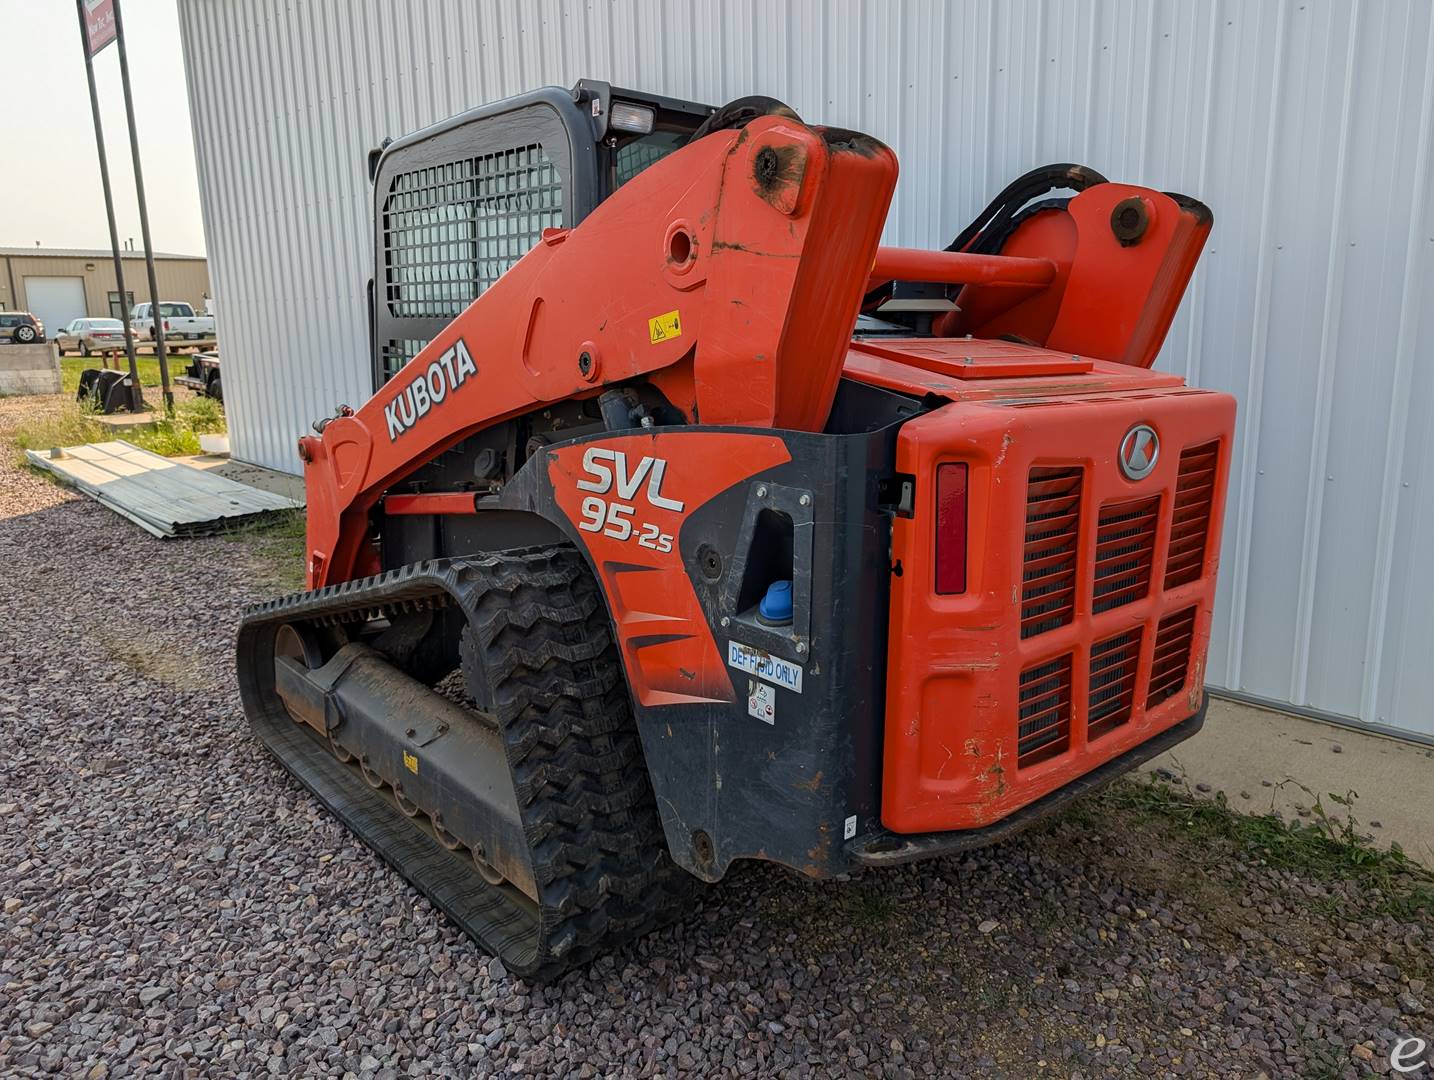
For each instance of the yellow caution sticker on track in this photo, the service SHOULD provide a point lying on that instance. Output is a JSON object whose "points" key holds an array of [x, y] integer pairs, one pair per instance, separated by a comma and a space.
{"points": [[664, 327], [410, 761]]}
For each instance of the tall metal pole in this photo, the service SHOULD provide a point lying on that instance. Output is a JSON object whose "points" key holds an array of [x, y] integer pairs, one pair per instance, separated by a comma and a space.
{"points": [[154, 296], [136, 395]]}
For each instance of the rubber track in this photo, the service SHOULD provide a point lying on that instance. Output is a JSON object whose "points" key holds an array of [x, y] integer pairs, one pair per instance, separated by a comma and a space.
{"points": [[538, 651]]}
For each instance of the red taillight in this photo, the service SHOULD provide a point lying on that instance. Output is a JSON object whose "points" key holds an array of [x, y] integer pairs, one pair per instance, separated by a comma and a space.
{"points": [[166, 326], [951, 528]]}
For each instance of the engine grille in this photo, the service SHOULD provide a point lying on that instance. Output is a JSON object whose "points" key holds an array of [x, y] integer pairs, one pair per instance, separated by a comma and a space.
{"points": [[1171, 662], [1113, 664], [1124, 552], [1048, 579], [1140, 661], [1190, 522], [1045, 711]]}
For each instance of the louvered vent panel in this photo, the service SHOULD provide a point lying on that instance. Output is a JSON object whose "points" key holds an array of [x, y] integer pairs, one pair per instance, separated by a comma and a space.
{"points": [[1113, 664], [1045, 711], [1124, 552], [1190, 522], [1049, 561], [1171, 662]]}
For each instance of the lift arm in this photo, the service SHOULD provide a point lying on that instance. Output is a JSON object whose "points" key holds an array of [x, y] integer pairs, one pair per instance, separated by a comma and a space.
{"points": [[728, 274]]}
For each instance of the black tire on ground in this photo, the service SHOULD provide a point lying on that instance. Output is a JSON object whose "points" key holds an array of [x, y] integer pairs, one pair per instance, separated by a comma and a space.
{"points": [[58, 351], [215, 389], [84, 348], [24, 334]]}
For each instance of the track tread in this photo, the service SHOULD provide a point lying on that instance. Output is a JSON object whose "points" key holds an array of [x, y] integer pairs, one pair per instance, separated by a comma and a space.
{"points": [[553, 672], [538, 650]]}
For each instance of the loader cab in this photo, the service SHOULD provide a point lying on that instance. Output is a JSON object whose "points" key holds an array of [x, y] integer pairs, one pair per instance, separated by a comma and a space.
{"points": [[457, 203]]}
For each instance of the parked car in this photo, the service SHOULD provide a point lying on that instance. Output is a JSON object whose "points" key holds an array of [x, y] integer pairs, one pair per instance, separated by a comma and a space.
{"points": [[87, 336], [178, 319], [21, 327]]}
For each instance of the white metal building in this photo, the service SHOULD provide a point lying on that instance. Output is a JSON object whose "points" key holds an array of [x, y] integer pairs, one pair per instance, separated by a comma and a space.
{"points": [[1305, 124]]}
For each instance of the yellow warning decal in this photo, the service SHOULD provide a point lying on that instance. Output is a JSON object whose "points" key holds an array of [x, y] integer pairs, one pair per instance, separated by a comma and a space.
{"points": [[664, 327], [410, 762]]}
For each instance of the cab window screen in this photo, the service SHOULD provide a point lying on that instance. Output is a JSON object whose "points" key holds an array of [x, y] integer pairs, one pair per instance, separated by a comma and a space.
{"points": [[451, 230]]}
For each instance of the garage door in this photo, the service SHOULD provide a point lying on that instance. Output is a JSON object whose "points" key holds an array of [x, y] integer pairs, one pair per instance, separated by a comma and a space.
{"points": [[55, 300]]}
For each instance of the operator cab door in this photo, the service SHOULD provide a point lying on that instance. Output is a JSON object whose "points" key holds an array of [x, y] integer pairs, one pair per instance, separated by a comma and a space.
{"points": [[458, 203]]}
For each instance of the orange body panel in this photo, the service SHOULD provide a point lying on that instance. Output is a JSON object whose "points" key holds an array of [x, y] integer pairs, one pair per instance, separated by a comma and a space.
{"points": [[962, 359], [876, 362], [657, 481], [956, 663]]}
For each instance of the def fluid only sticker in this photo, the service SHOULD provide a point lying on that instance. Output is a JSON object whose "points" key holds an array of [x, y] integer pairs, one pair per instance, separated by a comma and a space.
{"points": [[765, 666]]}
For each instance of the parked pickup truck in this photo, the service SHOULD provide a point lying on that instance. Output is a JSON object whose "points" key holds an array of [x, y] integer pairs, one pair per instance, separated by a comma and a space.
{"points": [[180, 322]]}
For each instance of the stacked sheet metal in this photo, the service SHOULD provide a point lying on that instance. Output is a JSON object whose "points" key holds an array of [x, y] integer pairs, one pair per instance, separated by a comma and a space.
{"points": [[164, 497]]}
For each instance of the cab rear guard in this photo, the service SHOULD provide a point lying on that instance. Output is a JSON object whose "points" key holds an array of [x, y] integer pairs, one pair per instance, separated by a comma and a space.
{"points": [[885, 848]]}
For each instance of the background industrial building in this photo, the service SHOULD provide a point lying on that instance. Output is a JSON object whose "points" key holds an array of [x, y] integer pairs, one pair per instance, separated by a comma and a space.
{"points": [[60, 284], [1305, 124]]}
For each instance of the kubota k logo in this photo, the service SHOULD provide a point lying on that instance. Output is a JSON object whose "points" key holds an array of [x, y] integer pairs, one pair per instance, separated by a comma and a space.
{"points": [[1139, 451]]}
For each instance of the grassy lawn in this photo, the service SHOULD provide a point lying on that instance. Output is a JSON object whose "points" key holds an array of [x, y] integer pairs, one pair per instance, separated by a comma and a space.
{"points": [[71, 366], [70, 425]]}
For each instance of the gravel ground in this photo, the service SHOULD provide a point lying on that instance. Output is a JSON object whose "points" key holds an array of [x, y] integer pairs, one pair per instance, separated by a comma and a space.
{"points": [[173, 904]]}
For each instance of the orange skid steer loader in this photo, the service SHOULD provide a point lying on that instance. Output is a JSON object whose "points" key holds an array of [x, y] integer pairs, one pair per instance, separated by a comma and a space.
{"points": [[711, 529]]}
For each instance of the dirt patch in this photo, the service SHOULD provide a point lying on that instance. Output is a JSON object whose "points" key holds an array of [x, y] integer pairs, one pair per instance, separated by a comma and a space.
{"points": [[153, 656]]}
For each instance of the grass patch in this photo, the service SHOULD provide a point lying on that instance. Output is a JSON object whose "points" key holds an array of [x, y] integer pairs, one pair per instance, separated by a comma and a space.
{"points": [[71, 424], [279, 548], [67, 426], [179, 435], [871, 909], [1330, 847]]}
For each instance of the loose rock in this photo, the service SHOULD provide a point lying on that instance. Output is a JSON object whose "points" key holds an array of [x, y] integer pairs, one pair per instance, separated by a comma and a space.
{"points": [[176, 905]]}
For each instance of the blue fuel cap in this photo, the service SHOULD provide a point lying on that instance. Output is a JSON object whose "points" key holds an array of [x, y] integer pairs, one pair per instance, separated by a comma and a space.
{"points": [[776, 606]]}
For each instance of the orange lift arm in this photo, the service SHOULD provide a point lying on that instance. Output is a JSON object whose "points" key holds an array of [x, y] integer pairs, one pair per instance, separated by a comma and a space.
{"points": [[729, 275]]}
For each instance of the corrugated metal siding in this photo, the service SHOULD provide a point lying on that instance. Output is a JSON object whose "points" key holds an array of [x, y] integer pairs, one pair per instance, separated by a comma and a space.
{"points": [[1305, 125]]}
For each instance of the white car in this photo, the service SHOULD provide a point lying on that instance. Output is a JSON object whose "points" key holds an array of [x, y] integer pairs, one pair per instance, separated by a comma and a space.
{"points": [[178, 319], [86, 336]]}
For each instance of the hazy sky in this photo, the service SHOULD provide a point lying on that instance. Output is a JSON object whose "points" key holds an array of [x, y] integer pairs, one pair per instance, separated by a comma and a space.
{"points": [[49, 173]]}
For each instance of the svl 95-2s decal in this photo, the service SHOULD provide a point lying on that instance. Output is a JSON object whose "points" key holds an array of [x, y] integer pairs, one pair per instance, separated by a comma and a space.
{"points": [[607, 469], [626, 498]]}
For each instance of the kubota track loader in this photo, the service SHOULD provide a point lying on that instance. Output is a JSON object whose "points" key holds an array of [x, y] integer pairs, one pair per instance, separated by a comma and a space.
{"points": [[714, 530]]}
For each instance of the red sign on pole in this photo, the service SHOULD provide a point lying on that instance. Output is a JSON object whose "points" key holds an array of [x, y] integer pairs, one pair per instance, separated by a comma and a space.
{"points": [[99, 24]]}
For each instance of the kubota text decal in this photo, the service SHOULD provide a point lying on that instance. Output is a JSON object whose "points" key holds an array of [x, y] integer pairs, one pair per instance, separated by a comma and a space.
{"points": [[427, 388]]}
